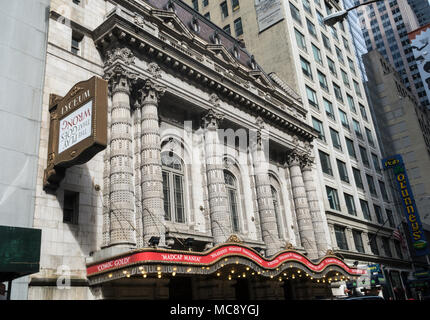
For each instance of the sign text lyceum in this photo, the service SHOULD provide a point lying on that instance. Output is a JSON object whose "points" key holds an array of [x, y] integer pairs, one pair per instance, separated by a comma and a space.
{"points": [[77, 101]]}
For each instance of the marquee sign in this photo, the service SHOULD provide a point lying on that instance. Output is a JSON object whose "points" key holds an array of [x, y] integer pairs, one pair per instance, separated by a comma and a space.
{"points": [[78, 128], [215, 255], [410, 209]]}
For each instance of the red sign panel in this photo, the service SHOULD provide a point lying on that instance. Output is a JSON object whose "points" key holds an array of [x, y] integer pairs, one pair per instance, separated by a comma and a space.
{"points": [[215, 255]]}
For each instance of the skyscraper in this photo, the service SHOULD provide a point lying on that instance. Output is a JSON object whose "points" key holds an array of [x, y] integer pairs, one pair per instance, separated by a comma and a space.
{"points": [[385, 27], [421, 9]]}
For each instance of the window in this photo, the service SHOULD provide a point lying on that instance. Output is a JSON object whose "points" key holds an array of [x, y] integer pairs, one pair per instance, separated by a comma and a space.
{"points": [[295, 13], [227, 29], [337, 92], [350, 204], [300, 39], [71, 207], [325, 163], [231, 186], [173, 187], [369, 137], [333, 32], [335, 139], [321, 19], [373, 244], [376, 164], [238, 27], [332, 67], [76, 43], [357, 178], [364, 156], [340, 237], [311, 29], [207, 15], [350, 147], [351, 65], [378, 214], [345, 44], [345, 78], [358, 241], [317, 54], [363, 112], [343, 119], [371, 184], [205, 3], [224, 9], [339, 55], [386, 246], [326, 42], [365, 210], [357, 88], [357, 128], [398, 249], [312, 97], [318, 126], [343, 172], [383, 190], [306, 67], [196, 5], [307, 6], [329, 109], [390, 218], [235, 5], [351, 103], [333, 198], [323, 81]]}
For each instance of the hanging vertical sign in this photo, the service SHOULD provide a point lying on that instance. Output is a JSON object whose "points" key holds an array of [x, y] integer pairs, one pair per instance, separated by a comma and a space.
{"points": [[78, 128], [418, 237]]}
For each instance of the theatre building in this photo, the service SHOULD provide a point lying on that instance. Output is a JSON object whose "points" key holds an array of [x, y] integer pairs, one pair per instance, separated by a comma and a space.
{"points": [[205, 188]]}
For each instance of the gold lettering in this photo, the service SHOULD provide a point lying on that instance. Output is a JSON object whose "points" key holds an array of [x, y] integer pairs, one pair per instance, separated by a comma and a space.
{"points": [[412, 218], [417, 235], [407, 201], [401, 177], [410, 209], [405, 193], [415, 226], [403, 185]]}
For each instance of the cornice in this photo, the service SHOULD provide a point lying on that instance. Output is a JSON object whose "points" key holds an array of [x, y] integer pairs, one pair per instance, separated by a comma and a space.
{"points": [[120, 28]]}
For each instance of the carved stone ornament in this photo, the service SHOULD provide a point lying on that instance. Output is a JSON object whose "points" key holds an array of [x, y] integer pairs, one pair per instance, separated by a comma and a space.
{"points": [[212, 119], [329, 253], [293, 158], [214, 100], [138, 19], [289, 246], [155, 70], [151, 92], [234, 238], [123, 54], [120, 78]]}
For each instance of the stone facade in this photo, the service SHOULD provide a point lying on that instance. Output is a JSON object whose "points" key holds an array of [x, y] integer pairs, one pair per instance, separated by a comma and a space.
{"points": [[172, 169]]}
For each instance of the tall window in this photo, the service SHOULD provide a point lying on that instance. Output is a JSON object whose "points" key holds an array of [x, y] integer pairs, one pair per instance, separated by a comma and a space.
{"points": [[364, 156], [339, 55], [357, 88], [326, 42], [173, 187], [335, 139], [386, 246], [378, 214], [343, 172], [350, 204], [196, 5], [71, 207], [351, 103], [312, 97], [341, 237], [325, 163], [235, 4], [357, 128], [369, 137], [371, 184], [345, 79], [317, 54], [390, 218], [323, 81], [357, 178], [307, 6], [333, 198], [295, 13], [398, 249], [311, 28], [331, 66], [344, 119], [300, 39], [383, 190], [306, 67], [238, 27], [351, 148], [363, 112], [76, 43], [365, 209], [232, 190], [358, 241], [376, 163], [337, 92], [373, 244], [351, 66], [318, 126], [224, 9], [329, 109]]}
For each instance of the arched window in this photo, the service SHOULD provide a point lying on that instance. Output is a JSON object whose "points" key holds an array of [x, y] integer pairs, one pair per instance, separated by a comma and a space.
{"points": [[173, 187], [231, 185], [276, 205]]}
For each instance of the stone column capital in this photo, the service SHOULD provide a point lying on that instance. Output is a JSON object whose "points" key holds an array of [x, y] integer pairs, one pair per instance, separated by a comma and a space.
{"points": [[151, 92], [293, 158], [306, 162], [212, 118], [120, 79]]}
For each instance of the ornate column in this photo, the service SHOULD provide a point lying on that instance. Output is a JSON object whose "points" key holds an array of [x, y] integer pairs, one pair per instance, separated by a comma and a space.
{"points": [[121, 187], [318, 221], [137, 133], [304, 220], [151, 174], [266, 208], [217, 192]]}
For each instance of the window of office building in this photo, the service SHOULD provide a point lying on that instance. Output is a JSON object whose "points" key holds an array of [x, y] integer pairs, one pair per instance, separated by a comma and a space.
{"points": [[358, 241], [306, 67], [350, 147], [318, 126], [238, 27], [343, 172], [312, 97], [371, 184], [224, 9], [335, 139], [235, 4], [343, 119], [331, 66], [311, 29], [341, 237], [323, 81], [333, 198], [317, 54], [357, 128], [300, 40], [383, 190], [373, 244], [325, 163], [376, 163], [345, 78], [71, 207], [350, 204], [365, 209], [337, 92], [378, 214], [390, 218], [364, 157], [369, 137], [328, 106], [295, 13], [386, 246], [326, 42], [351, 103], [363, 112], [357, 178]]}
